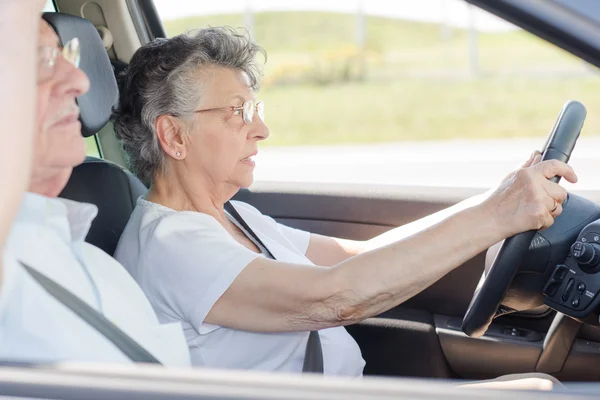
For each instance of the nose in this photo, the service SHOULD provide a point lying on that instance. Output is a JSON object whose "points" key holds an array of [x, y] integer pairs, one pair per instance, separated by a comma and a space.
{"points": [[259, 130], [71, 81]]}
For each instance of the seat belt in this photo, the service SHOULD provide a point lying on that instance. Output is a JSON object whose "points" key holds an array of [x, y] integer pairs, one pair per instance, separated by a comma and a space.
{"points": [[313, 356], [95, 319]]}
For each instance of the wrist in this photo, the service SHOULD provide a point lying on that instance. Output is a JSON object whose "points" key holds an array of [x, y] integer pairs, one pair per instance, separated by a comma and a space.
{"points": [[494, 224]]}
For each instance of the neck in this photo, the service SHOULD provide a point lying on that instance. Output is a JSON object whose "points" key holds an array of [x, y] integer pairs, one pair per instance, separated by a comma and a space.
{"points": [[49, 184], [201, 195]]}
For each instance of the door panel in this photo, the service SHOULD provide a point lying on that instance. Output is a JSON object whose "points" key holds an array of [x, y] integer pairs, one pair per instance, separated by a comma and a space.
{"points": [[401, 342], [349, 230], [413, 339], [502, 350], [368, 204]]}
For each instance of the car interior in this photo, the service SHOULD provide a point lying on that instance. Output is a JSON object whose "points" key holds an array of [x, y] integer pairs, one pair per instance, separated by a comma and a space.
{"points": [[538, 329]]}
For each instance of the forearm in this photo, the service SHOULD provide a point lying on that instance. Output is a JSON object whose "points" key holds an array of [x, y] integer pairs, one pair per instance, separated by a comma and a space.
{"points": [[19, 26], [378, 280]]}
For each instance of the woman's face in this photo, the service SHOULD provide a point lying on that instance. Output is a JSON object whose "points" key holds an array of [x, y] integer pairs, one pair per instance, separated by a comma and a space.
{"points": [[220, 145]]}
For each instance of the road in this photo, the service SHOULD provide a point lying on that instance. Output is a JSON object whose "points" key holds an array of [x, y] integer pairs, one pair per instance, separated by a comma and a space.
{"points": [[462, 163]]}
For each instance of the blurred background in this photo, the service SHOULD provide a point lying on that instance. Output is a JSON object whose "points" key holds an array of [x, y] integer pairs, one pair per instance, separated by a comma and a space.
{"points": [[372, 71], [361, 90]]}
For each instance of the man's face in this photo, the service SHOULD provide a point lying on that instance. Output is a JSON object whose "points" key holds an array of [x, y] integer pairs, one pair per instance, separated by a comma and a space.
{"points": [[59, 145]]}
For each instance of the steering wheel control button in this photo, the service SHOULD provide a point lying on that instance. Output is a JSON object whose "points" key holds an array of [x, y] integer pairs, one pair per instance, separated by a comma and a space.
{"points": [[587, 256], [580, 287], [575, 302], [576, 249], [560, 273], [568, 290]]}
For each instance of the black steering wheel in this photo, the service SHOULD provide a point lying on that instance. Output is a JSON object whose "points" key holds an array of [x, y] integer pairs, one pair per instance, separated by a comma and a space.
{"points": [[495, 282]]}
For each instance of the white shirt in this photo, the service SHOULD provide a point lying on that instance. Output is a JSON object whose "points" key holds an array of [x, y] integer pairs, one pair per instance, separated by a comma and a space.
{"points": [[48, 235], [185, 261]]}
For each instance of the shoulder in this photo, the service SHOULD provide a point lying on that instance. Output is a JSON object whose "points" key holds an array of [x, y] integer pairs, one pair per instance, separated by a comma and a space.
{"points": [[154, 219], [159, 231]]}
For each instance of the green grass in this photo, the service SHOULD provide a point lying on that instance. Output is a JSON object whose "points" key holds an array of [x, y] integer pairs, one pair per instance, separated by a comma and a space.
{"points": [[417, 86], [423, 110]]}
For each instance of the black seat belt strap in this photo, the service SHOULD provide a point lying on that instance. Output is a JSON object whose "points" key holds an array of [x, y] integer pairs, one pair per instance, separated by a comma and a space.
{"points": [[313, 356], [96, 320]]}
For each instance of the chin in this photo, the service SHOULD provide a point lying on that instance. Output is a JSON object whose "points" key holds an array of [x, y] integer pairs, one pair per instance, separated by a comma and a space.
{"points": [[71, 161], [79, 160], [77, 153], [246, 182]]}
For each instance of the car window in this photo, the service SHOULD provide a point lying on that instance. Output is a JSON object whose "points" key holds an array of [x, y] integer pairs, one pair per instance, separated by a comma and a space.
{"points": [[49, 6], [429, 92]]}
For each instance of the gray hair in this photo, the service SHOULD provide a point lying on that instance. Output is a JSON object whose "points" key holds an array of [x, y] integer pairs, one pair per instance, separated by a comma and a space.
{"points": [[161, 79]]}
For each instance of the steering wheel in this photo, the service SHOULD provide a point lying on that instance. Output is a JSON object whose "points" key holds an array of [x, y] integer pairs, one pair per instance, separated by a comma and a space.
{"points": [[495, 282]]}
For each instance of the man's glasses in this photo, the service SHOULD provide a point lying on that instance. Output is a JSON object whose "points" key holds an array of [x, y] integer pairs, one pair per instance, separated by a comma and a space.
{"points": [[48, 57], [247, 110]]}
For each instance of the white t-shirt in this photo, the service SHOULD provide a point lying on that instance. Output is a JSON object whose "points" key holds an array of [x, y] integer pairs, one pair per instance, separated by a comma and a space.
{"points": [[48, 235], [185, 261]]}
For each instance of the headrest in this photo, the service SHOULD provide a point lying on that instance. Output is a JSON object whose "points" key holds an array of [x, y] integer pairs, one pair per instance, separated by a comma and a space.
{"points": [[96, 105]]}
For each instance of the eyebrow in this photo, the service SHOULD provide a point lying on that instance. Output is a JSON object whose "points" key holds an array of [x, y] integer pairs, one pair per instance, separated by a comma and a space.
{"points": [[236, 97]]}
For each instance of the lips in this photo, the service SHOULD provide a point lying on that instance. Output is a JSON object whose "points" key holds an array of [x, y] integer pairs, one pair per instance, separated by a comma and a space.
{"points": [[68, 115], [70, 118], [249, 158]]}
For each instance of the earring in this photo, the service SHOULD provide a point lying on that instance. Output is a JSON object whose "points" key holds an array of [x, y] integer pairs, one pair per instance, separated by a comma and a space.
{"points": [[178, 154]]}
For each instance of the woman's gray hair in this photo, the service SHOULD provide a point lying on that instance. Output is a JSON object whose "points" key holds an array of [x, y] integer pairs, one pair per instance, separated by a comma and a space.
{"points": [[162, 79]]}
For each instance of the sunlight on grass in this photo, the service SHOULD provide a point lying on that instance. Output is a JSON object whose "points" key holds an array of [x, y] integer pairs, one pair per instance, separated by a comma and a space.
{"points": [[417, 86], [423, 110]]}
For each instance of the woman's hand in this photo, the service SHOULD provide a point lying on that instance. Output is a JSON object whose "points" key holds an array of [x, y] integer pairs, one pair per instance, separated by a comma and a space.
{"points": [[526, 199]]}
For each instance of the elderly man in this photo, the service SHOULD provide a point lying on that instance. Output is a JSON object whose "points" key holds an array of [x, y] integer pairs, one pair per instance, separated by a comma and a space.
{"points": [[47, 233]]}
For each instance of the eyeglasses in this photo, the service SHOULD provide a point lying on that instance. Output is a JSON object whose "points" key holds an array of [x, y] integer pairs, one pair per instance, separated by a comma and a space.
{"points": [[48, 56], [248, 109]]}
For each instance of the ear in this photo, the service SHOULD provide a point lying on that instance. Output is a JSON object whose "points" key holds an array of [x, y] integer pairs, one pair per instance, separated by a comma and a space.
{"points": [[169, 132]]}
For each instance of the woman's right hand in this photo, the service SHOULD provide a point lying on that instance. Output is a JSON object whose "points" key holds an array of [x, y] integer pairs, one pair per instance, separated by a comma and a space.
{"points": [[526, 199]]}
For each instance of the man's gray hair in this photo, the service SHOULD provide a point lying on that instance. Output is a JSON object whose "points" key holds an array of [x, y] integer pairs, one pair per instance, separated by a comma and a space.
{"points": [[162, 79]]}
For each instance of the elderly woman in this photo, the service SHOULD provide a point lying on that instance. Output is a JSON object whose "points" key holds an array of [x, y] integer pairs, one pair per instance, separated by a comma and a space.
{"points": [[190, 125]]}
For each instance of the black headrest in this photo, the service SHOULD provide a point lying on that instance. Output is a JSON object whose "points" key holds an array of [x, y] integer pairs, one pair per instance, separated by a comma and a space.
{"points": [[96, 105], [114, 190]]}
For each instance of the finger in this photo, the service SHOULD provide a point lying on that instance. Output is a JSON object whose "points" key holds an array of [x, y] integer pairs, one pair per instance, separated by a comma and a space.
{"points": [[531, 160], [558, 211], [555, 191], [551, 168], [550, 203], [548, 221]]}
